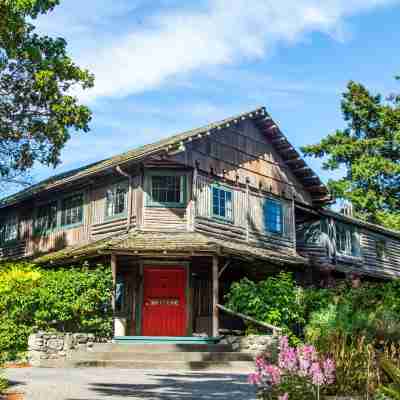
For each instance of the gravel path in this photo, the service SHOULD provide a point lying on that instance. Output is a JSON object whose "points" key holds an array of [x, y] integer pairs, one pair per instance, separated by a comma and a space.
{"points": [[118, 384]]}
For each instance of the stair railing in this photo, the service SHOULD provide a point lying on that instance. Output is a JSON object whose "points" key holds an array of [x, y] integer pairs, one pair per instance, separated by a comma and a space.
{"points": [[275, 330]]}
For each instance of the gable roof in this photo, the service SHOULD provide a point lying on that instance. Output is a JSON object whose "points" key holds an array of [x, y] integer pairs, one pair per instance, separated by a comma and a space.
{"points": [[289, 154]]}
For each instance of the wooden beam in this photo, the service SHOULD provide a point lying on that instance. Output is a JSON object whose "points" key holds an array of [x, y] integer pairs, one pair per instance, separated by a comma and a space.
{"points": [[275, 330], [114, 278], [215, 292], [224, 268]]}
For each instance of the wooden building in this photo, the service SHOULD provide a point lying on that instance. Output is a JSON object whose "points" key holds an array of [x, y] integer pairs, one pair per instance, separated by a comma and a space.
{"points": [[180, 219]]}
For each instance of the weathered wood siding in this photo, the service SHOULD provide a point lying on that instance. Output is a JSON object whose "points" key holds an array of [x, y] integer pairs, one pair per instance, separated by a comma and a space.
{"points": [[241, 152], [30, 243], [164, 218], [320, 249], [100, 225], [248, 221]]}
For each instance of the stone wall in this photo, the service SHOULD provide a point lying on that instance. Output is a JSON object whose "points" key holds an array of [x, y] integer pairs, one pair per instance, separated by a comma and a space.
{"points": [[257, 344], [58, 347]]}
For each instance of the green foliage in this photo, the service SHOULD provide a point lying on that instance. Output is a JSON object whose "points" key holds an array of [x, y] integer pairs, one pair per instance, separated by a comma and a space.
{"points": [[392, 390], [3, 383], [37, 110], [275, 300], [368, 149], [356, 327], [74, 299]]}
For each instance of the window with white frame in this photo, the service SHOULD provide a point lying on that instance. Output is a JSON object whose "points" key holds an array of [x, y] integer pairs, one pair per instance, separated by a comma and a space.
{"points": [[117, 200], [9, 229], [347, 239], [46, 217], [273, 216], [168, 190], [72, 210], [222, 203]]}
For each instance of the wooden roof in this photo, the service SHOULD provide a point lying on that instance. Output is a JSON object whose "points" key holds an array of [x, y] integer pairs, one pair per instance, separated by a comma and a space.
{"points": [[169, 243], [290, 156], [293, 160]]}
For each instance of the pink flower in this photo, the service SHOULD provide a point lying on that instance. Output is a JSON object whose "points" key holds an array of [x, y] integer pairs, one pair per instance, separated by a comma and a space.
{"points": [[274, 373], [329, 370], [316, 374], [284, 397], [254, 378]]}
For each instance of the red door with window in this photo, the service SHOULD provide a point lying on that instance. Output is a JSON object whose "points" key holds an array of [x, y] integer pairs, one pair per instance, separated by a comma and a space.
{"points": [[164, 301]]}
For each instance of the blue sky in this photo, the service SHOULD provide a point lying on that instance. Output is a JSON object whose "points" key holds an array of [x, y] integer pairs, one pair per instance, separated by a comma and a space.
{"points": [[176, 65]]}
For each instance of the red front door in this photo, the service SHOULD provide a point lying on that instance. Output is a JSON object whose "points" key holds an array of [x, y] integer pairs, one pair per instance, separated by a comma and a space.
{"points": [[164, 301]]}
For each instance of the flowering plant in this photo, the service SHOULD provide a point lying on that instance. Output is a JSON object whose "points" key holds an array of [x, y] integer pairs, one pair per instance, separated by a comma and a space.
{"points": [[298, 373]]}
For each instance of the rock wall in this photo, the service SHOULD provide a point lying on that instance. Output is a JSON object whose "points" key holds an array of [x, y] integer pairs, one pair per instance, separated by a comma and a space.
{"points": [[43, 346], [257, 344]]}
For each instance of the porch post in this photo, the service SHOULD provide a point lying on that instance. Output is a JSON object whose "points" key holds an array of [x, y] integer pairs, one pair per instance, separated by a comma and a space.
{"points": [[114, 278], [215, 290]]}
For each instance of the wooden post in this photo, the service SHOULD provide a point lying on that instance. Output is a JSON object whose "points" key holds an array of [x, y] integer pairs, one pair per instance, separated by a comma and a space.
{"points": [[215, 290], [247, 210], [114, 277]]}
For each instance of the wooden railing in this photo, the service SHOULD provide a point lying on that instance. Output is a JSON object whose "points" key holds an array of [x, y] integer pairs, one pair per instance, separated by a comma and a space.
{"points": [[275, 330]]}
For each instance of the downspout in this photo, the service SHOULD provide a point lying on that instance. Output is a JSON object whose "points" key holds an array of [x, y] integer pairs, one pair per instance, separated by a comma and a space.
{"points": [[126, 175]]}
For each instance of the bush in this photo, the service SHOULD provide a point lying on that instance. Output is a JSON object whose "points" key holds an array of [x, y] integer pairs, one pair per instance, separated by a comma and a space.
{"points": [[75, 299], [275, 300], [356, 328]]}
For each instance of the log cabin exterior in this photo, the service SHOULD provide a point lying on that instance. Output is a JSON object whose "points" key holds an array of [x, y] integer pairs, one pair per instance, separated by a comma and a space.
{"points": [[180, 219]]}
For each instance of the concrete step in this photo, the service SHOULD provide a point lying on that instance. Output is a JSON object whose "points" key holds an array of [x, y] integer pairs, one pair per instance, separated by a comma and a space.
{"points": [[160, 348], [187, 356], [210, 366]]}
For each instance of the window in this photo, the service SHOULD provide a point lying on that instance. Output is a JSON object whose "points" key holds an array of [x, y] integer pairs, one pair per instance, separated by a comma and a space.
{"points": [[46, 218], [72, 210], [380, 249], [222, 203], [9, 229], [347, 240], [120, 295], [168, 190], [273, 216], [117, 200]]}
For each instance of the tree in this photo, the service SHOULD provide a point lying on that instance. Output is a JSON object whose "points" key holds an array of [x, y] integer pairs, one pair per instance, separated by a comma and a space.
{"points": [[37, 110], [368, 150]]}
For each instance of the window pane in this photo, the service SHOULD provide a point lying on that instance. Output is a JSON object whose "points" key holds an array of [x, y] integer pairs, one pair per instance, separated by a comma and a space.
{"points": [[347, 239], [273, 216], [72, 210], [46, 218], [116, 200], [167, 189], [222, 203], [9, 229]]}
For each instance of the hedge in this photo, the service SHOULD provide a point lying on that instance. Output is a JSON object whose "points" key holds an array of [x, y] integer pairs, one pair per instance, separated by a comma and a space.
{"points": [[75, 299]]}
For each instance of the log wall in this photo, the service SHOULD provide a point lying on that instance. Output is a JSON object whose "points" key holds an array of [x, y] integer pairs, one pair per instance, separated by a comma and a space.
{"points": [[368, 263]]}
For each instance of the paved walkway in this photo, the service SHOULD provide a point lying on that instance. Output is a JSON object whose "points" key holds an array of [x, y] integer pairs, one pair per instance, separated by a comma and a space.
{"points": [[118, 384]]}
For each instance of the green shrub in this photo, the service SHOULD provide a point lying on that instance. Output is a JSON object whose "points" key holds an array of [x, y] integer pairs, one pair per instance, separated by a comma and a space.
{"points": [[277, 300], [392, 390], [75, 299]]}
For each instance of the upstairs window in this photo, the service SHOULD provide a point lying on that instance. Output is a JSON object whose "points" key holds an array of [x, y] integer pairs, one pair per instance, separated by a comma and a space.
{"points": [[9, 229], [117, 200], [273, 216], [222, 203], [347, 240], [72, 210], [380, 249], [168, 190], [46, 218]]}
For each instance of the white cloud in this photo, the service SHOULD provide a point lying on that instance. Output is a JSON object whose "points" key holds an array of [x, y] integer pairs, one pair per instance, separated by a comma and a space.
{"points": [[177, 42]]}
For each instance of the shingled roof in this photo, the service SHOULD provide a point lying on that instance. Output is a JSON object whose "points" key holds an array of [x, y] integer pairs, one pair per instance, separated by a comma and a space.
{"points": [[291, 157], [142, 243]]}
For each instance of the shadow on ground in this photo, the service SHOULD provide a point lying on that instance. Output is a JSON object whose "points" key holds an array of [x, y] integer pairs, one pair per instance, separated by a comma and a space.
{"points": [[175, 386]]}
